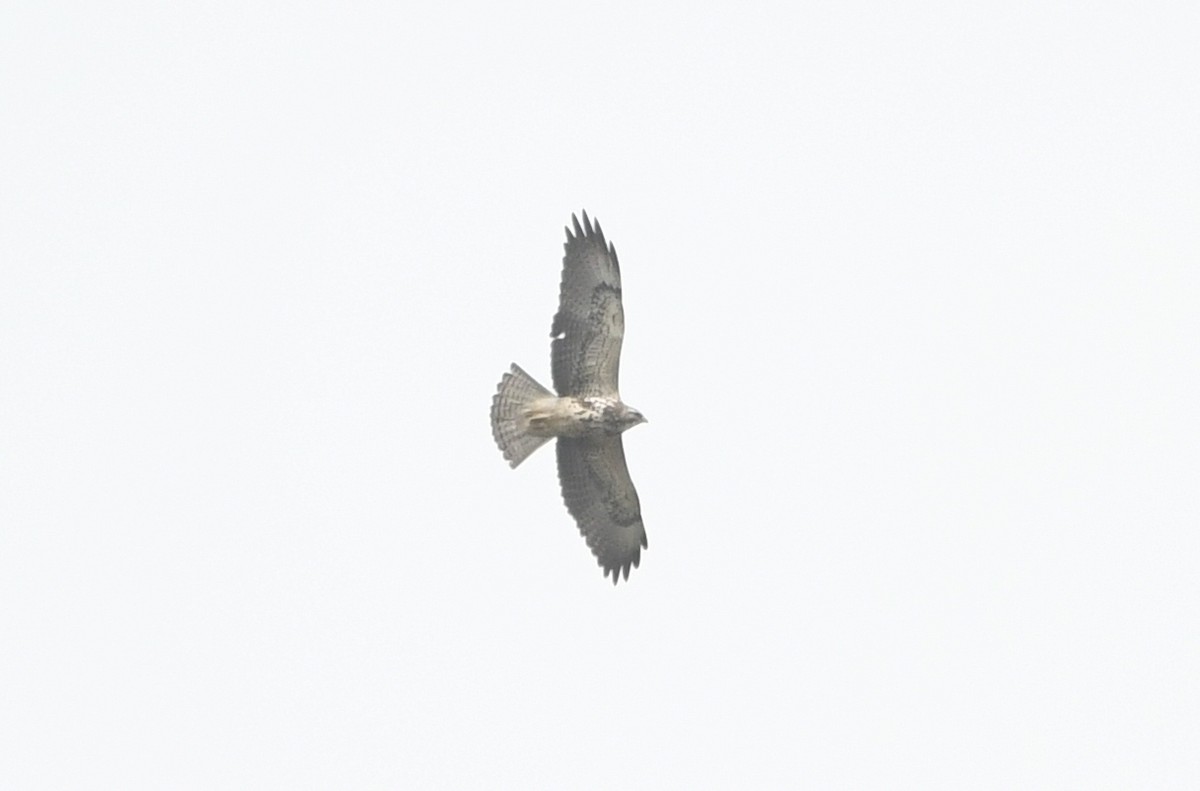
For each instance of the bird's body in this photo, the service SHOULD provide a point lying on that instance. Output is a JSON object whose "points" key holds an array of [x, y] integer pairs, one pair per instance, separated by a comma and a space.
{"points": [[574, 417], [587, 415]]}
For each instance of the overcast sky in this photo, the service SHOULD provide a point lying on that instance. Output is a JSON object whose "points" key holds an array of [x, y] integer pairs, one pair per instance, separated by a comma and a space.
{"points": [[912, 303]]}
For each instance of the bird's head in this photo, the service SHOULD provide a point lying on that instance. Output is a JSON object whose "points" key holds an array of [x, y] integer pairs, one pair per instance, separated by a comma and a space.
{"points": [[632, 417], [619, 417]]}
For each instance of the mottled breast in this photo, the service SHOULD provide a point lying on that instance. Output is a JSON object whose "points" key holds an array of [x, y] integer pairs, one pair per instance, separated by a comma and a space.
{"points": [[573, 416]]}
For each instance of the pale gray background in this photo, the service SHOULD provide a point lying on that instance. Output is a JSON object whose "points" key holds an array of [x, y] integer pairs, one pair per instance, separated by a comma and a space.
{"points": [[911, 299]]}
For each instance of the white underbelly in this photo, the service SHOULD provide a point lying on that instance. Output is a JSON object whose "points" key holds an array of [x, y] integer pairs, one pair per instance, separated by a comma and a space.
{"points": [[564, 417]]}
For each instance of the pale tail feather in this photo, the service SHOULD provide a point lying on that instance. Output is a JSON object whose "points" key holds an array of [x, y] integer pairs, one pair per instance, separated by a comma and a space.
{"points": [[509, 426]]}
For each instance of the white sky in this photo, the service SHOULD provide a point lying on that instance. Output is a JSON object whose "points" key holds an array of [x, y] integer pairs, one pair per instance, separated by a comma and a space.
{"points": [[912, 307]]}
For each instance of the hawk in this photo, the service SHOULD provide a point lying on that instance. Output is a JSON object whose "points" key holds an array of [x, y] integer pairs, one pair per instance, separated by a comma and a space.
{"points": [[587, 415]]}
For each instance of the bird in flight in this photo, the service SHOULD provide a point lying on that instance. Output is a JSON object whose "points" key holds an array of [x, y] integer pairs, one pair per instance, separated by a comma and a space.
{"points": [[587, 415]]}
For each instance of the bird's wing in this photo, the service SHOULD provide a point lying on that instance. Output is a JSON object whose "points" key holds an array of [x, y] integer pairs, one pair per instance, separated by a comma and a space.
{"points": [[590, 322], [600, 495]]}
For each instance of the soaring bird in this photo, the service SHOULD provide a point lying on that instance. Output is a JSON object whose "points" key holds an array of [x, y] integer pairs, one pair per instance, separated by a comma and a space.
{"points": [[587, 415]]}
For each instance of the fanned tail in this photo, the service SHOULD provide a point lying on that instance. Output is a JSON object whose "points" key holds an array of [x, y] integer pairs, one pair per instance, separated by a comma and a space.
{"points": [[517, 391]]}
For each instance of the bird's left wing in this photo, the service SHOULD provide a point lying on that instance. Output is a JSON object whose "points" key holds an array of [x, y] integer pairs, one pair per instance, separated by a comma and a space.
{"points": [[600, 495]]}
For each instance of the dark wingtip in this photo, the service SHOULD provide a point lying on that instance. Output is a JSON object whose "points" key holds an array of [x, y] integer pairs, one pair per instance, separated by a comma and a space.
{"points": [[619, 572], [589, 227], [614, 571]]}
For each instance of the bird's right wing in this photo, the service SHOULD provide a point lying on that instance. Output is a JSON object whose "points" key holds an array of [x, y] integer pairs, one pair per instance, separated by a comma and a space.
{"points": [[590, 323]]}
